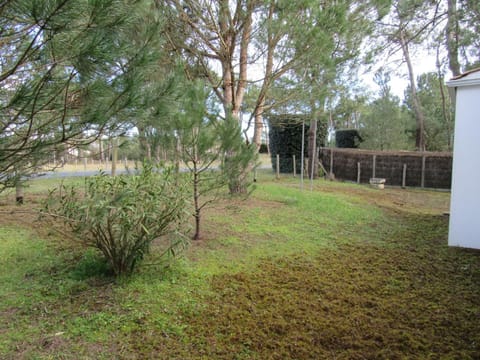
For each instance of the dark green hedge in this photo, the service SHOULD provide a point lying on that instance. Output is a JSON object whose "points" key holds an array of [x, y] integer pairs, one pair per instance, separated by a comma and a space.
{"points": [[285, 137], [263, 149], [348, 138]]}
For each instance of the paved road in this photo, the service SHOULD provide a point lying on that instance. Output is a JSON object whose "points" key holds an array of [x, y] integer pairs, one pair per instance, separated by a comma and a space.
{"points": [[64, 174]]}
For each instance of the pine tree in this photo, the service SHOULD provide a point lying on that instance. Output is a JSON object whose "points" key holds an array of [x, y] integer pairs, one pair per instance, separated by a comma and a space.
{"points": [[229, 40], [211, 148], [385, 126], [65, 72]]}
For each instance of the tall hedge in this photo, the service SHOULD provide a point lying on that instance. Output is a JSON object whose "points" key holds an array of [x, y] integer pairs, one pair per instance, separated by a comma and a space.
{"points": [[285, 137], [347, 138]]}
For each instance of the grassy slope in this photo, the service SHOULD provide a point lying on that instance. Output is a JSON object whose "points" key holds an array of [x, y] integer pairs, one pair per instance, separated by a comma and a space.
{"points": [[341, 272]]}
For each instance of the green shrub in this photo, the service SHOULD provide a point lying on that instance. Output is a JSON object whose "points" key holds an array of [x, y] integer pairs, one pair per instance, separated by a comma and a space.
{"points": [[121, 216]]}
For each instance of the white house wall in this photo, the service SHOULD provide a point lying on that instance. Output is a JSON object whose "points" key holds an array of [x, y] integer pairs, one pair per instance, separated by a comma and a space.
{"points": [[464, 227]]}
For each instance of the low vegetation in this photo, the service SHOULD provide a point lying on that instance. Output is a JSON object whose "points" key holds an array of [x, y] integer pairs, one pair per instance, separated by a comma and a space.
{"points": [[340, 272], [121, 216]]}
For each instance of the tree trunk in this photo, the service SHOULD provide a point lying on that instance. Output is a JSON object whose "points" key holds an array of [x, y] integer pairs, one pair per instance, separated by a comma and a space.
{"points": [[197, 214], [100, 149], [233, 91], [176, 157], [158, 151], [227, 46], [258, 125], [447, 118], [452, 38], [238, 187], [260, 106], [197, 236], [114, 156], [420, 120], [196, 195], [144, 144], [312, 167], [19, 193], [312, 149]]}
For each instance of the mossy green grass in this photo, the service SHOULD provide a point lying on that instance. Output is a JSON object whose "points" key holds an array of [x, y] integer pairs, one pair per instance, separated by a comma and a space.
{"points": [[339, 271]]}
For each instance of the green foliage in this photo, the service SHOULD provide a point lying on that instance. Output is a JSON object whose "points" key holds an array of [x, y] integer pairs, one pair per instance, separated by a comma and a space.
{"points": [[240, 158], [285, 139], [466, 30], [348, 110], [129, 148], [67, 69], [198, 128], [212, 148], [160, 99], [121, 216], [91, 264], [385, 124], [349, 138], [437, 109]]}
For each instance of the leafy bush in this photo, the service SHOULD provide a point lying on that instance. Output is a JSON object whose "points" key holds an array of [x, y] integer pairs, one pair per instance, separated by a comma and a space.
{"points": [[121, 216]]}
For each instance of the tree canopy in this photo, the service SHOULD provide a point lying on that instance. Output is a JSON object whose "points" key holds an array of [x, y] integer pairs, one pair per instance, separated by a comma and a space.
{"points": [[73, 70], [66, 71]]}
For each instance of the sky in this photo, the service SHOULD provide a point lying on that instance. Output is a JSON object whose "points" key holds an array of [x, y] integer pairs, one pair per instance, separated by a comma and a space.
{"points": [[422, 61]]}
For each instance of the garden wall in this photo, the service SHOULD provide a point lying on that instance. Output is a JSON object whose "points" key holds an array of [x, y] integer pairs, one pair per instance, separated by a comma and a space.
{"points": [[402, 168]]}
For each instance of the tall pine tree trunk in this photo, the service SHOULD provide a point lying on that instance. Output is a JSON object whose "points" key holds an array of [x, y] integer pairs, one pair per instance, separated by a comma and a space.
{"points": [[312, 143], [233, 92], [419, 118], [196, 201], [312, 149], [114, 156], [145, 147], [100, 149], [258, 126], [452, 38]]}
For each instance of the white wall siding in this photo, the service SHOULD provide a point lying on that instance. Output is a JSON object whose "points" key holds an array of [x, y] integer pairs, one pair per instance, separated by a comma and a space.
{"points": [[464, 227]]}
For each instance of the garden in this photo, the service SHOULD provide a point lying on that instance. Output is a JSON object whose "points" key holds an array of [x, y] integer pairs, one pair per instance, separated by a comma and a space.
{"points": [[339, 271]]}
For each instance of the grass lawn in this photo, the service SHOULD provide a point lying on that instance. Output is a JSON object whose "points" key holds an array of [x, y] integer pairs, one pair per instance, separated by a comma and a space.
{"points": [[340, 272]]}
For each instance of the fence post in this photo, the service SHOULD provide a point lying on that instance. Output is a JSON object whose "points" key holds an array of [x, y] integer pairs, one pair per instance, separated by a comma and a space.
{"points": [[358, 173], [294, 167], [423, 172], [404, 176], [374, 165], [331, 162], [278, 166]]}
